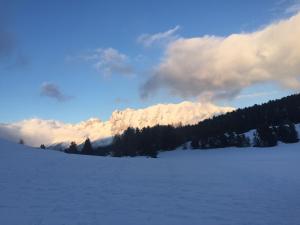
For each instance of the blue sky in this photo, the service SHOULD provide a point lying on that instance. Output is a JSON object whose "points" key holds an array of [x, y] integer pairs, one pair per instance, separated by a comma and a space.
{"points": [[53, 69]]}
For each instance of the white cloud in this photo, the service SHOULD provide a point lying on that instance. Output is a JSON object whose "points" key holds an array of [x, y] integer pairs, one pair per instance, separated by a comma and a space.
{"points": [[110, 61], [53, 91], [220, 67], [163, 37]]}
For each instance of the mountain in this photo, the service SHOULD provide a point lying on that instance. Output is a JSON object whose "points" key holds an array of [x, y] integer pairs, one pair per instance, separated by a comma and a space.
{"points": [[57, 134], [164, 114]]}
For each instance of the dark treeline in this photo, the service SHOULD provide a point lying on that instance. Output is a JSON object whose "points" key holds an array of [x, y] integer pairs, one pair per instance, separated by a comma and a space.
{"points": [[134, 142], [145, 142], [274, 121], [264, 118], [268, 136]]}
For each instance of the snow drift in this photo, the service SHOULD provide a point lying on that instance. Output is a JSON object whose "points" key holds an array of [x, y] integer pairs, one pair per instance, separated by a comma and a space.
{"points": [[229, 187]]}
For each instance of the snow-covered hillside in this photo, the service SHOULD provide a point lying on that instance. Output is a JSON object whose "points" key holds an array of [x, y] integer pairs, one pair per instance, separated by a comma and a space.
{"points": [[36, 131], [216, 187]]}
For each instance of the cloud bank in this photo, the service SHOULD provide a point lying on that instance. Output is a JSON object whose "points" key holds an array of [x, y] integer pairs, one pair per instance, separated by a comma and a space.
{"points": [[53, 91], [220, 67], [159, 38]]}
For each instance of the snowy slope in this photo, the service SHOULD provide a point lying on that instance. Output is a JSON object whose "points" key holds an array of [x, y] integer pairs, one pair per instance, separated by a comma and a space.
{"points": [[36, 131], [250, 133], [216, 187]]}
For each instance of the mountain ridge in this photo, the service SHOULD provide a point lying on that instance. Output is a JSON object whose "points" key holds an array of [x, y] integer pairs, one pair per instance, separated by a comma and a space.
{"points": [[53, 132]]}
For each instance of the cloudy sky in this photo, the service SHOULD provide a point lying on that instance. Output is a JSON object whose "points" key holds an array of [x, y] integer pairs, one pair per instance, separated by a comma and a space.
{"points": [[72, 61]]}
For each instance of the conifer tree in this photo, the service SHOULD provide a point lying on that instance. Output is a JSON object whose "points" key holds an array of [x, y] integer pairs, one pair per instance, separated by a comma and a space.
{"points": [[242, 140], [87, 147], [287, 133], [293, 137], [117, 146], [195, 143], [266, 137], [21, 142], [72, 148]]}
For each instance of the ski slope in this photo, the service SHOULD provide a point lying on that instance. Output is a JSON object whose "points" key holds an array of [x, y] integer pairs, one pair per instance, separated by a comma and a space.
{"points": [[216, 187]]}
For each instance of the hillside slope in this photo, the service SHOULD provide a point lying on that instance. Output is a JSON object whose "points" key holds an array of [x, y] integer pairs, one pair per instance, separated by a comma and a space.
{"points": [[228, 187]]}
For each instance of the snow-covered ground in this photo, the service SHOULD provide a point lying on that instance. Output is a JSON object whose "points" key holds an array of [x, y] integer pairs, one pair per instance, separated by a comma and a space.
{"points": [[216, 187]]}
